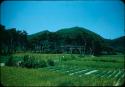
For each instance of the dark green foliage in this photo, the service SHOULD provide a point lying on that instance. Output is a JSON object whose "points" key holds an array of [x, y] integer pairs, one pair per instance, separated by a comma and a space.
{"points": [[28, 61], [42, 63], [50, 62], [12, 40], [31, 62], [10, 61], [97, 48], [118, 44], [50, 42], [75, 36]]}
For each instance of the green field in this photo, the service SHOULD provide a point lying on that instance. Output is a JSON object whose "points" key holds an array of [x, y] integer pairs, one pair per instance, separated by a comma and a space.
{"points": [[106, 70]]}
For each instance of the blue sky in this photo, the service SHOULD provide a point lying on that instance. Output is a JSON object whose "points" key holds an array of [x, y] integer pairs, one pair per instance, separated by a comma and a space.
{"points": [[106, 18]]}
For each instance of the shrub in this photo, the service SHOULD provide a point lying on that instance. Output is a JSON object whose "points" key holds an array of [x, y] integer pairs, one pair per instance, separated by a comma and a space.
{"points": [[50, 62], [10, 61], [31, 62], [42, 63], [27, 61]]}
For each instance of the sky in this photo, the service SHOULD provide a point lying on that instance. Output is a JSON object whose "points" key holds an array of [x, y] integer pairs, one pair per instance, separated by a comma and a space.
{"points": [[106, 18]]}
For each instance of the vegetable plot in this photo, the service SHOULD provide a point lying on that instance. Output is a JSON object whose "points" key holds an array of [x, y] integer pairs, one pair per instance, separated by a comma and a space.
{"points": [[117, 75]]}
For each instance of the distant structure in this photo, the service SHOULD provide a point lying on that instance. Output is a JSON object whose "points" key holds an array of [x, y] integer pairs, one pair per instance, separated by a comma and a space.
{"points": [[71, 48]]}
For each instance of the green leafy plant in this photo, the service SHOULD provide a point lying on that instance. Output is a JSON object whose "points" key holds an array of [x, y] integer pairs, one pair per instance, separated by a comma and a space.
{"points": [[11, 61], [31, 62]]}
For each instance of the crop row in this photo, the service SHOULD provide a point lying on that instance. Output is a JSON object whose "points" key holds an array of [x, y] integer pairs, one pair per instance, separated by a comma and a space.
{"points": [[116, 74]]}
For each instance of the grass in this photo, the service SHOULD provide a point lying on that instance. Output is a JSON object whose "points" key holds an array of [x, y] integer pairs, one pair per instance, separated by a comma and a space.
{"points": [[13, 76], [17, 76], [95, 64]]}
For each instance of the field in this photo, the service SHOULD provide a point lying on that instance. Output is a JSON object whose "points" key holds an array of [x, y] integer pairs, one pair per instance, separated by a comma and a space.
{"points": [[69, 70]]}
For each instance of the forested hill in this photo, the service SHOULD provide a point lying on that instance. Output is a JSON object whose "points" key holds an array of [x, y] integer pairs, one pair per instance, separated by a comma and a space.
{"points": [[89, 42], [37, 34], [78, 36], [118, 43], [74, 32], [75, 36]]}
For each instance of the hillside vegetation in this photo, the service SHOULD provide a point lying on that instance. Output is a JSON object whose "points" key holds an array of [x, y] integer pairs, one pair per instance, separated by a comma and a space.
{"points": [[68, 57], [68, 40]]}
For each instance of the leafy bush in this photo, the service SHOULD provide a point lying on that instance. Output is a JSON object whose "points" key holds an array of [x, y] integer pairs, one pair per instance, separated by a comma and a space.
{"points": [[42, 63], [50, 62], [27, 61], [31, 62], [11, 61]]}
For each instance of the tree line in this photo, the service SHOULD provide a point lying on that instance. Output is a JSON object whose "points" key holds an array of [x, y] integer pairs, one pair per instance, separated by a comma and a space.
{"points": [[75, 41], [12, 40]]}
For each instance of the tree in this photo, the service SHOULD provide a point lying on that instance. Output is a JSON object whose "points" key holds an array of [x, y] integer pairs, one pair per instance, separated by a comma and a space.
{"points": [[11, 39]]}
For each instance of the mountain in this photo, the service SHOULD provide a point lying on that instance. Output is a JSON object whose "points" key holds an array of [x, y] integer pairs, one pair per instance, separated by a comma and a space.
{"points": [[76, 36], [119, 40], [73, 32], [37, 34], [118, 43], [69, 40]]}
